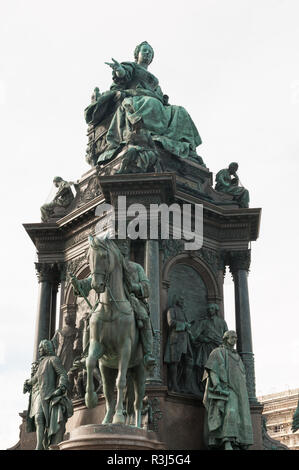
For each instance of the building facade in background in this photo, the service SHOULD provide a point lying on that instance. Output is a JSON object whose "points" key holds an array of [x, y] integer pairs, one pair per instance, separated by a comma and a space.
{"points": [[279, 409]]}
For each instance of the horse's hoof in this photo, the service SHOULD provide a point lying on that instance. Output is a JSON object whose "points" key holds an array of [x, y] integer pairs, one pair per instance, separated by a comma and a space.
{"points": [[91, 399], [119, 418], [108, 418]]}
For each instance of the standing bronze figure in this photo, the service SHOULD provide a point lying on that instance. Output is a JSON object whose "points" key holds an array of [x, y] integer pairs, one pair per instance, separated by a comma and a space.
{"points": [[49, 406], [226, 398], [178, 353]]}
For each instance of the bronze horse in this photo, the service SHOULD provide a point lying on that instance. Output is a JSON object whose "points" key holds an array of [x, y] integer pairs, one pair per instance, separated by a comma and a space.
{"points": [[114, 335]]}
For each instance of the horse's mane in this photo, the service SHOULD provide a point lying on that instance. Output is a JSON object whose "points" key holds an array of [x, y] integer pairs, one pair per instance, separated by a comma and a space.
{"points": [[108, 244]]}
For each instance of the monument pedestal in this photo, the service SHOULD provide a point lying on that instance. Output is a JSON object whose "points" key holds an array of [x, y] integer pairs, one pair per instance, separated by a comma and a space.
{"points": [[111, 437], [175, 419]]}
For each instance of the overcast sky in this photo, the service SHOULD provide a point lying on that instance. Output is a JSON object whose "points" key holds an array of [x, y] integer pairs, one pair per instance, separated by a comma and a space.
{"points": [[233, 65]]}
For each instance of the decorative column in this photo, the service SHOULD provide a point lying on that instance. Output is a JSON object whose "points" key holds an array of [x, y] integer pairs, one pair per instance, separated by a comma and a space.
{"points": [[152, 269], [239, 266], [221, 265], [62, 292], [49, 277]]}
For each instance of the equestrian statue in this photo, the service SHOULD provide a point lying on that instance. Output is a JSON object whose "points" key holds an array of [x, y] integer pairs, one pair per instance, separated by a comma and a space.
{"points": [[119, 336]]}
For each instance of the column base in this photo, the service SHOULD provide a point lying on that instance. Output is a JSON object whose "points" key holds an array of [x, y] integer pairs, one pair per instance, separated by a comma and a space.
{"points": [[111, 437]]}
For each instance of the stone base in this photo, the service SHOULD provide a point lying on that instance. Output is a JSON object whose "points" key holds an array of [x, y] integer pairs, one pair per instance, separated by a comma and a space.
{"points": [[111, 437], [176, 419], [176, 423]]}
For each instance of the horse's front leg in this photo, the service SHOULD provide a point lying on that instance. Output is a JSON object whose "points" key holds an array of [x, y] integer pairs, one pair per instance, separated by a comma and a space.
{"points": [[94, 353], [121, 381], [139, 388], [108, 380]]}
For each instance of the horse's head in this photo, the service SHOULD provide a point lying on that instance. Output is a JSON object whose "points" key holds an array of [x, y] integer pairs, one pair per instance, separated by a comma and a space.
{"points": [[101, 263]]}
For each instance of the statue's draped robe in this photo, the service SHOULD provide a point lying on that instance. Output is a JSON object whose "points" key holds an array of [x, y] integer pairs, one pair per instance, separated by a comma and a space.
{"points": [[208, 337], [64, 194], [63, 198], [226, 184], [227, 419], [63, 341], [142, 99], [178, 342]]}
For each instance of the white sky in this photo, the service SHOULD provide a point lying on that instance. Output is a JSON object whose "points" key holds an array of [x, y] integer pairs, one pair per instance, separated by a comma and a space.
{"points": [[233, 65]]}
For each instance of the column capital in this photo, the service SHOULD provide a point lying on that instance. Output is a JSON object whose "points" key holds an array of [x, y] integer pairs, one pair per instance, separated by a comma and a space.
{"points": [[222, 260], [239, 260], [50, 272]]}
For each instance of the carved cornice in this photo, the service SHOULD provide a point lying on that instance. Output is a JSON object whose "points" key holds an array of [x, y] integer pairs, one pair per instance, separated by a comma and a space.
{"points": [[81, 235]]}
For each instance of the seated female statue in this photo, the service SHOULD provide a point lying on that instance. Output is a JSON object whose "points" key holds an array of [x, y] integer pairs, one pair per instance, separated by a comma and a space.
{"points": [[140, 103]]}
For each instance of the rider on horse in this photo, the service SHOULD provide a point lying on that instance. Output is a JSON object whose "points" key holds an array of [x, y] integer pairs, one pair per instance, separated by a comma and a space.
{"points": [[138, 287]]}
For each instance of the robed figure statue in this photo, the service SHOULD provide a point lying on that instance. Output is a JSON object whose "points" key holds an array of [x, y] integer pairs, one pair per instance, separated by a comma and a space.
{"points": [[136, 99], [226, 398]]}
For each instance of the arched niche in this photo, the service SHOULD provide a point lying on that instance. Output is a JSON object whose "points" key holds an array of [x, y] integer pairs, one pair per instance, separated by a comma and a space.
{"points": [[202, 270], [192, 278]]}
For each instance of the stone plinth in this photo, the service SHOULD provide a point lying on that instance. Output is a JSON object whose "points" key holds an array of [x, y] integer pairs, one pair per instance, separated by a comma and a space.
{"points": [[177, 420], [111, 437]]}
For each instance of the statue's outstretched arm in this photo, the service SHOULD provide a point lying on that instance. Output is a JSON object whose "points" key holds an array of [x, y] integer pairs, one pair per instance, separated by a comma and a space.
{"points": [[117, 68]]}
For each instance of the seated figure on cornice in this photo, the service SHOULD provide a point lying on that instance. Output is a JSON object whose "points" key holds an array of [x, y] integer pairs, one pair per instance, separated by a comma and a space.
{"points": [[227, 181]]}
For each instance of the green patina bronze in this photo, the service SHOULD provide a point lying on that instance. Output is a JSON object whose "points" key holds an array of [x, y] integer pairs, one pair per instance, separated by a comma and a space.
{"points": [[120, 333], [63, 198], [208, 336], [49, 407], [178, 352], [227, 181], [135, 98], [226, 398], [67, 342]]}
